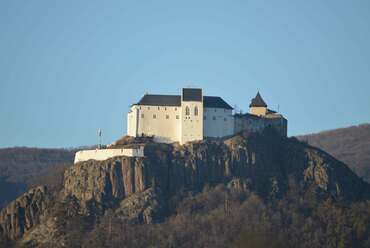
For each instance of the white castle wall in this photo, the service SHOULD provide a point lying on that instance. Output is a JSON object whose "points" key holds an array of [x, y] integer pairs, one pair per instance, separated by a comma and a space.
{"points": [[169, 124], [132, 121], [104, 154], [164, 123], [218, 122], [192, 125]]}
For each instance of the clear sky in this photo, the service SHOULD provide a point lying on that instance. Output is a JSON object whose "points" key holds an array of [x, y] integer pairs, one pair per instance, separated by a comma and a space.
{"points": [[70, 67]]}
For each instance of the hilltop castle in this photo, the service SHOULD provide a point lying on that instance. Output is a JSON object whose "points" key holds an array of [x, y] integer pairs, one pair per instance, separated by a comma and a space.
{"points": [[192, 116], [187, 117]]}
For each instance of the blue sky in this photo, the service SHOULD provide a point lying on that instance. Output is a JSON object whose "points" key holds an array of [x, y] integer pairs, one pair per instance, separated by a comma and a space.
{"points": [[68, 68]]}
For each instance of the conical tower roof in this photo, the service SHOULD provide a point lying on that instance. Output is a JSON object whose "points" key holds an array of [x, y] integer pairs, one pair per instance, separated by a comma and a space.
{"points": [[258, 101]]}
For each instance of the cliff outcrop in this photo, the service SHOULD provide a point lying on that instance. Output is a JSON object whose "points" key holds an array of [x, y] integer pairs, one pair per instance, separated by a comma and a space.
{"points": [[265, 163], [138, 190], [23, 213]]}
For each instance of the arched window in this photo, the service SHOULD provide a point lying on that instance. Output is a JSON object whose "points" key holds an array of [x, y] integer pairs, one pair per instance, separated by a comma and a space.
{"points": [[196, 110], [187, 111]]}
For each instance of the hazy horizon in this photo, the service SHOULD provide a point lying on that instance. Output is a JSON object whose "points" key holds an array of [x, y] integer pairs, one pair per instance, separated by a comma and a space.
{"points": [[68, 68]]}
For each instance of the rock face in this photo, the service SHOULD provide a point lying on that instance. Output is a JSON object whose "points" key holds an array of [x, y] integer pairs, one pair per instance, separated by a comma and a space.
{"points": [[263, 162], [138, 189], [23, 213], [142, 207]]}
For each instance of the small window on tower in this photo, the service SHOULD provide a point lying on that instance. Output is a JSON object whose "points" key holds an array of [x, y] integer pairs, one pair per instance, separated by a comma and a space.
{"points": [[142, 115], [154, 116], [177, 117], [167, 117], [196, 111], [214, 118], [159, 108], [187, 110]]}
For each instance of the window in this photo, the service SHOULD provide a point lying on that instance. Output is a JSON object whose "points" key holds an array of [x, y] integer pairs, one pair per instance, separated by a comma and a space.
{"points": [[175, 109], [167, 117], [154, 116], [159, 108], [225, 119], [214, 118], [196, 111], [215, 110], [142, 115], [177, 117], [140, 107], [204, 118], [187, 110], [165, 108], [148, 107]]}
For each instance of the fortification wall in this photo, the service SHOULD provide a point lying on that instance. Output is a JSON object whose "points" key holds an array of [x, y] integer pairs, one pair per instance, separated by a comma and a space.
{"points": [[162, 122], [258, 124], [104, 154], [218, 122]]}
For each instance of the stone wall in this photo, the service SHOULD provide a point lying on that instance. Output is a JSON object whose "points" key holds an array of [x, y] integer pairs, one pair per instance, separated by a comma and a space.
{"points": [[218, 122], [104, 154]]}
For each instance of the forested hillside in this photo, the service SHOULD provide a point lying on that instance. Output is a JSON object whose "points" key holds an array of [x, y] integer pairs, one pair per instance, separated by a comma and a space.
{"points": [[22, 167], [350, 145]]}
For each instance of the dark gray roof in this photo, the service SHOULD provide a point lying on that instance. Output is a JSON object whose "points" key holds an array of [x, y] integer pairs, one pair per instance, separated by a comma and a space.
{"points": [[160, 100], [247, 115], [270, 111], [191, 94], [258, 101], [215, 102], [175, 100]]}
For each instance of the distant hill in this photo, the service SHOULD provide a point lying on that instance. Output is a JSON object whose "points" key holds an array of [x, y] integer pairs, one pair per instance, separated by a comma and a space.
{"points": [[22, 167], [350, 145]]}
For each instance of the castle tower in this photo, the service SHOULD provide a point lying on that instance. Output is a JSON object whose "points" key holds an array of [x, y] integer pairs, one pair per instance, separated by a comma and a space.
{"points": [[258, 106], [191, 115]]}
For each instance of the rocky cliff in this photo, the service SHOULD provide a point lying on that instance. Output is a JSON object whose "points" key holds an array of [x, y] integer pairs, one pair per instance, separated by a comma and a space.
{"points": [[263, 162], [23, 213], [138, 190]]}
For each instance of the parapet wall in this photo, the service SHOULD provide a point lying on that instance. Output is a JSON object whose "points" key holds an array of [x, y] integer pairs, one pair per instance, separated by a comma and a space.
{"points": [[104, 154]]}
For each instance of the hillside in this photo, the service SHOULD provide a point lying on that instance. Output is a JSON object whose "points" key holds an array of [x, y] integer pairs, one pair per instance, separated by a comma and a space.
{"points": [[219, 193], [22, 167], [350, 145]]}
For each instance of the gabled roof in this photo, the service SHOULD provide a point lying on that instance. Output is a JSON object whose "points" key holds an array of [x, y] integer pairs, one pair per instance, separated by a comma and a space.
{"points": [[258, 101], [215, 102], [160, 100], [175, 100]]}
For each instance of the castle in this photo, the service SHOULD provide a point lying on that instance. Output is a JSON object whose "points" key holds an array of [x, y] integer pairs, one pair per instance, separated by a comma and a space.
{"points": [[187, 117], [192, 116]]}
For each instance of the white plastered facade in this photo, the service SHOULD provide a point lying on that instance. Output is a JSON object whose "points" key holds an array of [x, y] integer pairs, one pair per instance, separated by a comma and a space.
{"points": [[169, 124], [162, 122]]}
